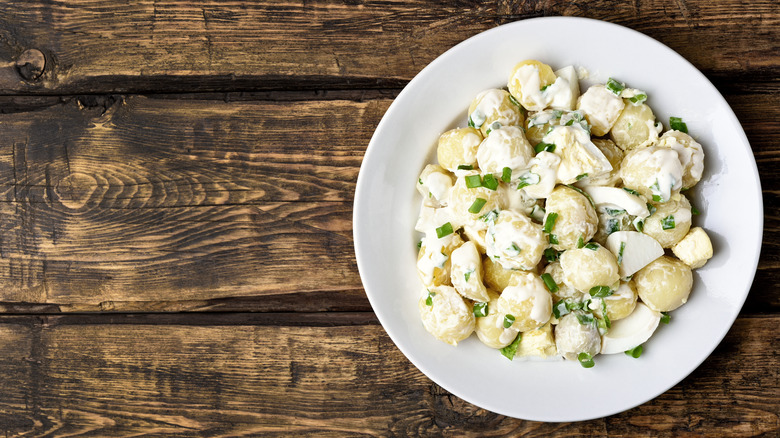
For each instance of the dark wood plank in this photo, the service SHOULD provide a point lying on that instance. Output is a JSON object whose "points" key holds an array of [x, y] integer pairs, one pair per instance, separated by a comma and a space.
{"points": [[156, 200], [167, 45], [228, 378]]}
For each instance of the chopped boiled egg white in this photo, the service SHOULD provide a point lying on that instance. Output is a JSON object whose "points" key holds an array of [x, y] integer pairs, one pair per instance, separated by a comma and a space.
{"points": [[634, 250], [619, 199], [565, 90], [632, 331]]}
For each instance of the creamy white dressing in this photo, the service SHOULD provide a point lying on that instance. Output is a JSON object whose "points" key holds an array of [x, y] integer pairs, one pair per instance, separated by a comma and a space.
{"points": [[439, 185], [578, 154], [502, 148], [530, 84], [669, 175], [470, 143], [490, 103], [543, 117], [628, 93], [506, 240], [545, 164], [513, 199], [691, 156], [507, 335], [540, 299], [434, 256]]}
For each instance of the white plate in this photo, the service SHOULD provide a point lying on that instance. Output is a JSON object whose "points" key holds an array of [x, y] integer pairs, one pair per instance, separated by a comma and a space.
{"points": [[386, 206]]}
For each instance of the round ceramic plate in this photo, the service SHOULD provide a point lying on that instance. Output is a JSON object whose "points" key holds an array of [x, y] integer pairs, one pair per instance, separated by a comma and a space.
{"points": [[387, 204]]}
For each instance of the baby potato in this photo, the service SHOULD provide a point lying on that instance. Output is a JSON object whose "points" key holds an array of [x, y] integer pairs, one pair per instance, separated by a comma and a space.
{"points": [[458, 147], [447, 317], [590, 266], [504, 147], [434, 185], [537, 343], [670, 222], [493, 109], [514, 241], [573, 338], [476, 236], [466, 272], [525, 306], [497, 277], [614, 155], [433, 260], [690, 153], [694, 249], [653, 171], [634, 127], [664, 284], [490, 329], [539, 124], [576, 218], [526, 82], [601, 107], [621, 303], [564, 290], [579, 156], [462, 198]]}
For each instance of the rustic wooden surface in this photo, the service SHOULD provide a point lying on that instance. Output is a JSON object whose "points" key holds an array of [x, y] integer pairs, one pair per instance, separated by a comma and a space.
{"points": [[176, 183]]}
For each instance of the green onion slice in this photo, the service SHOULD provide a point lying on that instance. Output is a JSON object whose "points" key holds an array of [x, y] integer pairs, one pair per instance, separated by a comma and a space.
{"points": [[586, 318], [465, 167], [651, 208], [506, 175], [639, 224], [480, 309], [605, 314], [511, 350], [667, 223], [527, 179], [582, 175], [489, 216], [677, 124], [444, 230], [560, 308], [665, 317], [635, 352], [615, 87], [508, 320], [549, 222], [549, 282], [592, 246], [586, 360], [551, 255], [467, 275], [489, 181], [552, 238], [514, 101], [476, 207], [614, 212], [620, 253], [612, 226], [547, 147], [638, 99], [419, 244], [493, 126], [632, 191], [600, 291], [580, 242], [473, 181], [695, 211], [513, 250], [429, 298], [419, 180], [583, 193]]}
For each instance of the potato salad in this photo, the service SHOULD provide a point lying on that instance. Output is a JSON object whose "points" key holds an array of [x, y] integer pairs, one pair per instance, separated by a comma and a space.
{"points": [[557, 223]]}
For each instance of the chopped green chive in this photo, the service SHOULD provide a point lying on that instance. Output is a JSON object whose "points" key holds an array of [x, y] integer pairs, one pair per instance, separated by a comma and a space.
{"points": [[552, 238], [444, 230], [551, 255], [480, 309], [429, 299], [586, 360], [420, 181], [677, 124], [513, 250], [695, 211], [476, 207], [605, 314], [542, 146], [528, 179], [549, 222], [651, 208], [614, 212], [511, 350], [656, 189], [465, 167], [635, 352], [633, 192], [560, 308], [493, 126], [508, 320], [580, 242], [473, 181], [467, 275], [620, 253], [489, 181], [639, 224], [667, 223], [489, 216], [592, 246], [600, 291], [615, 87], [612, 226], [549, 282], [514, 101], [638, 99], [582, 175], [506, 175], [545, 87], [665, 317], [471, 123], [419, 244], [585, 318]]}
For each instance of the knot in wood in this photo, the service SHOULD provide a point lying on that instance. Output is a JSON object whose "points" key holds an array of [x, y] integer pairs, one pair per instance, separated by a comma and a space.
{"points": [[31, 64], [75, 190]]}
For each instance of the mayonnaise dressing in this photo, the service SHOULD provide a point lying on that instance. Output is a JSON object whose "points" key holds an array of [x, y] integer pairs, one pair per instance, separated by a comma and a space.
{"points": [[439, 185], [545, 164], [490, 103], [578, 154], [538, 296], [504, 147], [669, 174]]}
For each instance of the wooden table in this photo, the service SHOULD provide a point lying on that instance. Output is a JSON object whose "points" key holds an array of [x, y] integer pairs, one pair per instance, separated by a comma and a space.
{"points": [[175, 228]]}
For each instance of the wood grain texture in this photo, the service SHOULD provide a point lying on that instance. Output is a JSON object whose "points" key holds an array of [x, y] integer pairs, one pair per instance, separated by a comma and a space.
{"points": [[166, 45], [156, 200], [229, 378]]}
